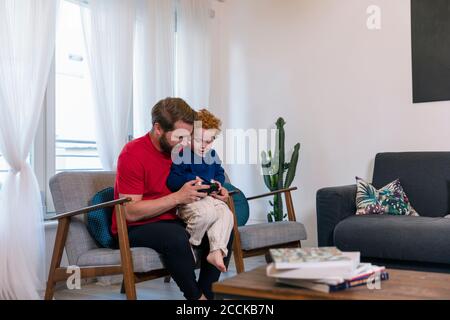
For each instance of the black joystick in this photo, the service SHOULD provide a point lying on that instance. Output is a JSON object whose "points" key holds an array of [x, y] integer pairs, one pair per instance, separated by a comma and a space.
{"points": [[213, 187]]}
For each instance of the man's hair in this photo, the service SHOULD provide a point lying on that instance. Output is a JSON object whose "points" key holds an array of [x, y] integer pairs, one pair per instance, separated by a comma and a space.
{"points": [[170, 110], [209, 121]]}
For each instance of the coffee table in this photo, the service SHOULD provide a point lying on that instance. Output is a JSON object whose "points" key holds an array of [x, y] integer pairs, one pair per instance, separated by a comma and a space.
{"points": [[402, 285]]}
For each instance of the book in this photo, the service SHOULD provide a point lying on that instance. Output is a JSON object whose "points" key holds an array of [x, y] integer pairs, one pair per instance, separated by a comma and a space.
{"points": [[327, 288], [316, 270], [363, 270], [292, 258], [310, 273]]}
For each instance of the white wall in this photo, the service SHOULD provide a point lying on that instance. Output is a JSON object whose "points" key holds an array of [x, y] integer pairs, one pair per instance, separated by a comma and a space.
{"points": [[345, 91]]}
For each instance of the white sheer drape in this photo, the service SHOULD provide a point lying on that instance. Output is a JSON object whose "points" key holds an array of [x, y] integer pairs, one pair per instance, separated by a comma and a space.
{"points": [[109, 33], [154, 59], [27, 39], [193, 52]]}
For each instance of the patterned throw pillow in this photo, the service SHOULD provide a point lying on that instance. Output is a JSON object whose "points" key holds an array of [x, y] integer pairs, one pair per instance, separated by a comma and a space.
{"points": [[391, 199]]}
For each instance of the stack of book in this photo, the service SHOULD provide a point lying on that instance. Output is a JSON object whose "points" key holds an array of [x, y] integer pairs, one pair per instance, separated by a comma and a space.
{"points": [[325, 269]]}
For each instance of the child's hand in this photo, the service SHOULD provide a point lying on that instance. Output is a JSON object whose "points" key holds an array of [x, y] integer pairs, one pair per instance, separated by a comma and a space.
{"points": [[221, 195], [219, 188], [214, 181]]}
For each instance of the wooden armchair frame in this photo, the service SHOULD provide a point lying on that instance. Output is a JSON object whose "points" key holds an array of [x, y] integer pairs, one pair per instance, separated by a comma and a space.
{"points": [[238, 252], [130, 278]]}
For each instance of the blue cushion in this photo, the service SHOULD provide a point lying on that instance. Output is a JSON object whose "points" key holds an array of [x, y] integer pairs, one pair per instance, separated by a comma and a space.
{"points": [[240, 204], [99, 221]]}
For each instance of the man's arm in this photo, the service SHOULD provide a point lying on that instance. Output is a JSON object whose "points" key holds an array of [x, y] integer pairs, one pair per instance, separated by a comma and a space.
{"points": [[179, 175], [139, 209]]}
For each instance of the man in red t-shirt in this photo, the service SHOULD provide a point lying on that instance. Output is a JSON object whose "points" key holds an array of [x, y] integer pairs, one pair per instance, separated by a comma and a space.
{"points": [[142, 170]]}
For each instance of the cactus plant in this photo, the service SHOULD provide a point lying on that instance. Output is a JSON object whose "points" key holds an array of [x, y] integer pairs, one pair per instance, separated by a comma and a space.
{"points": [[274, 168]]}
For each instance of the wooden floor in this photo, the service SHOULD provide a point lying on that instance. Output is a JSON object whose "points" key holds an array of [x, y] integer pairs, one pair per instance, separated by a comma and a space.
{"points": [[150, 290]]}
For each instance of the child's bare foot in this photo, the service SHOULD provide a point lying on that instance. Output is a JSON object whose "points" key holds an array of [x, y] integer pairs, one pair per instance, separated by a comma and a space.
{"points": [[216, 259]]}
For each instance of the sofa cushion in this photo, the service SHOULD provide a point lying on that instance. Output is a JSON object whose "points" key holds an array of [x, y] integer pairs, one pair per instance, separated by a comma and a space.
{"points": [[425, 177], [268, 234], [422, 239], [391, 199]]}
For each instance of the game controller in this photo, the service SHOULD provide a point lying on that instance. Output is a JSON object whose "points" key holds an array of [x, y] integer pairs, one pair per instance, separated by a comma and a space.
{"points": [[213, 187]]}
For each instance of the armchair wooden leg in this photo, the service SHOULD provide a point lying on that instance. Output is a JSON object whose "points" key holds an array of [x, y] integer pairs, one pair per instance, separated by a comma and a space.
{"points": [[122, 288], [268, 257], [290, 206], [125, 254], [58, 249], [237, 249], [238, 259]]}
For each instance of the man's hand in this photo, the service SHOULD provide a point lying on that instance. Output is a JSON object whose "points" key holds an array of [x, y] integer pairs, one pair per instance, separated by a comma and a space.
{"points": [[222, 194], [189, 193], [198, 181]]}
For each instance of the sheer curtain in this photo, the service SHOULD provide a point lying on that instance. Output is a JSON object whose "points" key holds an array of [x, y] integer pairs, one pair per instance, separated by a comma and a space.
{"points": [[154, 59], [27, 29], [109, 34], [193, 62]]}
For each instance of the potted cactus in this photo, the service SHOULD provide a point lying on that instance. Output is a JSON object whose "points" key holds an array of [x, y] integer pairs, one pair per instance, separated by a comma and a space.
{"points": [[274, 168]]}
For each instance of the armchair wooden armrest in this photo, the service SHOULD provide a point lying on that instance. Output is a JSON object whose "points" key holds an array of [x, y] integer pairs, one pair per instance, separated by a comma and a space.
{"points": [[288, 198], [272, 193], [91, 208]]}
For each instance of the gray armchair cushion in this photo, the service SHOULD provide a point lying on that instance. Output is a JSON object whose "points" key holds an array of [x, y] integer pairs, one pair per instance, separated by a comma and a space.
{"points": [[79, 241], [422, 239], [267, 234], [144, 259]]}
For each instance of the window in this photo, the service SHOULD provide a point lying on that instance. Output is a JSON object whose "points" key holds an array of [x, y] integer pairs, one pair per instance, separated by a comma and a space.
{"points": [[75, 147], [65, 139]]}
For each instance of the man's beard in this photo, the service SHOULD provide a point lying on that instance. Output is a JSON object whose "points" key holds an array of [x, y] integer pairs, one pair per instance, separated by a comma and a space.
{"points": [[165, 145]]}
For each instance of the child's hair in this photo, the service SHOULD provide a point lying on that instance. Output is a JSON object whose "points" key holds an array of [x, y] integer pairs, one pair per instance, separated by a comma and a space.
{"points": [[209, 121]]}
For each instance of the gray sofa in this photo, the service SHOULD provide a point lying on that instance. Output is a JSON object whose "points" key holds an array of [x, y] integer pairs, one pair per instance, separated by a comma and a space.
{"points": [[397, 241]]}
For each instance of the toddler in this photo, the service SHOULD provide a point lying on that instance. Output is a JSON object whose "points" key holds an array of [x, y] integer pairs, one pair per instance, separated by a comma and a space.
{"points": [[208, 215]]}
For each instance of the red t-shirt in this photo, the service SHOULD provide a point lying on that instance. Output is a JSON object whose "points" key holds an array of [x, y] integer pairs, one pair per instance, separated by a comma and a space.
{"points": [[143, 169]]}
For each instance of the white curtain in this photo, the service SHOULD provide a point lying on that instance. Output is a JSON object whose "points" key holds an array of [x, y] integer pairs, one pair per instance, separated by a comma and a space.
{"points": [[109, 34], [154, 59], [193, 62], [27, 39]]}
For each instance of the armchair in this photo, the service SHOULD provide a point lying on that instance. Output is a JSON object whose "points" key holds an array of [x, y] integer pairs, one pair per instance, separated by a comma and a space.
{"points": [[73, 190], [257, 239], [58, 273]]}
